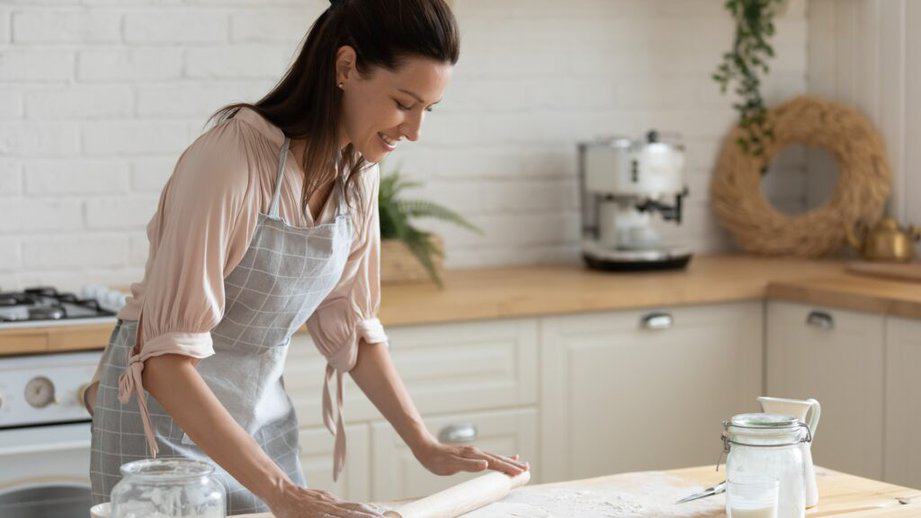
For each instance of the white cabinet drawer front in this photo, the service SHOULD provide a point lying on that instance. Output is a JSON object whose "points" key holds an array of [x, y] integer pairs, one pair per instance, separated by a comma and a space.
{"points": [[316, 453], [645, 323], [618, 396], [836, 357], [903, 392], [446, 368], [397, 474]]}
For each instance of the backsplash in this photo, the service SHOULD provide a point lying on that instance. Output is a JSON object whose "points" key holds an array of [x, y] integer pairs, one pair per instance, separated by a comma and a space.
{"points": [[98, 98]]}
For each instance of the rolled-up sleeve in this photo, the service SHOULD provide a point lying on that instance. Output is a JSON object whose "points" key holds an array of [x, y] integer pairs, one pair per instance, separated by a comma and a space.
{"points": [[349, 313], [200, 231]]}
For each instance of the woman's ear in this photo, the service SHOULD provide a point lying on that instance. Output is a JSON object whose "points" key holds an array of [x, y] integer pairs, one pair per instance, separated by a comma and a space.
{"points": [[345, 64]]}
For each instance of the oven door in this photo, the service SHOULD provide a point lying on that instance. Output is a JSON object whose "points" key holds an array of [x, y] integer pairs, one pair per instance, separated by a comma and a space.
{"points": [[44, 471]]}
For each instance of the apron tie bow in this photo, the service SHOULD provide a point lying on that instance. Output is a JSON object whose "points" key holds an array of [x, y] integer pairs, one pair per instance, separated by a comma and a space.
{"points": [[130, 381], [337, 428]]}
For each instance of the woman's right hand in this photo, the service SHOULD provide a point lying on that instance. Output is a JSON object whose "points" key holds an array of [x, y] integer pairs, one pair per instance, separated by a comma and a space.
{"points": [[301, 502]]}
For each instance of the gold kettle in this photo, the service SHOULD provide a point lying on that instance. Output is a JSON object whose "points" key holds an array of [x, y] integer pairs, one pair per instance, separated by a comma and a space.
{"points": [[885, 241]]}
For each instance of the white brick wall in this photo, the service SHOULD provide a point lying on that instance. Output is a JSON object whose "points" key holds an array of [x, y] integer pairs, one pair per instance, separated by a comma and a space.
{"points": [[99, 97]]}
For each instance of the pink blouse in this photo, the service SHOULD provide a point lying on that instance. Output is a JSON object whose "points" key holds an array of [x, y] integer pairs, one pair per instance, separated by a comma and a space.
{"points": [[205, 219]]}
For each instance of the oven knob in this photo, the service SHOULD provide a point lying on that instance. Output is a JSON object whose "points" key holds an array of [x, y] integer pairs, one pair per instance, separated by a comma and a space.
{"points": [[81, 394], [39, 392]]}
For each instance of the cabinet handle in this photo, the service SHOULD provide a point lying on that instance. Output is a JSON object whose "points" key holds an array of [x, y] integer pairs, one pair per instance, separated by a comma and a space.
{"points": [[458, 433], [656, 321], [820, 319]]}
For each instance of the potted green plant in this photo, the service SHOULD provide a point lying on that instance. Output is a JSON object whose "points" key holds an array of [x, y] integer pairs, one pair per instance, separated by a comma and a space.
{"points": [[408, 253], [743, 64]]}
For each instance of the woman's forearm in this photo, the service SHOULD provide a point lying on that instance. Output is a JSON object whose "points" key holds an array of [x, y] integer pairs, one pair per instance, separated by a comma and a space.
{"points": [[175, 383], [377, 377]]}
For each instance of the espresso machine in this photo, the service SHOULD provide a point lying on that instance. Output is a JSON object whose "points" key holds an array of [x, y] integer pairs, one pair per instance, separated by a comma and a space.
{"points": [[624, 184]]}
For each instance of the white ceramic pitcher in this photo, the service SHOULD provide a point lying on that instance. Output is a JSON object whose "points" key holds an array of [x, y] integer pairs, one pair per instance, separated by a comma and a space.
{"points": [[800, 410]]}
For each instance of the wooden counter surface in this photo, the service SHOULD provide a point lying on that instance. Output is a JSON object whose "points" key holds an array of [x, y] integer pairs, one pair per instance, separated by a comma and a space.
{"points": [[523, 291], [853, 291], [839, 493], [559, 289]]}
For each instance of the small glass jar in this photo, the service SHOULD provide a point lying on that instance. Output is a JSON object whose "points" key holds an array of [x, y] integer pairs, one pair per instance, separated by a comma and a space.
{"points": [[168, 488], [767, 445]]}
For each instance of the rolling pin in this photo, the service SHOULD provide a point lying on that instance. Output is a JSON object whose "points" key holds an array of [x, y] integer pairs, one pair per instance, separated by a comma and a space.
{"points": [[454, 501], [462, 498]]}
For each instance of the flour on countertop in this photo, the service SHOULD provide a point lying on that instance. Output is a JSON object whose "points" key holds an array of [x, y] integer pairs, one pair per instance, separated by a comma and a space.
{"points": [[643, 495]]}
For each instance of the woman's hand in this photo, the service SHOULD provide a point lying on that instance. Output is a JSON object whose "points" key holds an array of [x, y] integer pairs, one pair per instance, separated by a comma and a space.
{"points": [[448, 459], [300, 502]]}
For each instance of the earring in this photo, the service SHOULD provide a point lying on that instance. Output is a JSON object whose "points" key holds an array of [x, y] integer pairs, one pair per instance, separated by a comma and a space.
{"points": [[340, 85]]}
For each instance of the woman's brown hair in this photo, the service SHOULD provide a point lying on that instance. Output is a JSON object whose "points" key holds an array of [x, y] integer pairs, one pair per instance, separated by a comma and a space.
{"points": [[306, 102]]}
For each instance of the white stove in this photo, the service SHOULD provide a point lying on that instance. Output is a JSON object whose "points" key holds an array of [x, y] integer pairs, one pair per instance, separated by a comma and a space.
{"points": [[45, 435], [44, 389], [44, 425]]}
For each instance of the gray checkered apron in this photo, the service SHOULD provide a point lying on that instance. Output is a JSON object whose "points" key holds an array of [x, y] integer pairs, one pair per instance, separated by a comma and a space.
{"points": [[285, 274]]}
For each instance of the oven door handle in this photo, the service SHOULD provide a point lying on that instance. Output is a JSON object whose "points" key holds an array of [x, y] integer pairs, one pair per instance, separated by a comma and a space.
{"points": [[43, 448], [43, 439]]}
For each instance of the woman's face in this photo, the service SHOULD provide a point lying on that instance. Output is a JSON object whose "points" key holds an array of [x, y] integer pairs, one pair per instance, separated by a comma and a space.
{"points": [[386, 107]]}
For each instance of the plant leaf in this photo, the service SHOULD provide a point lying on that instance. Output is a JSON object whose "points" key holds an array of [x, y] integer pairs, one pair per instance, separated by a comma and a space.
{"points": [[420, 208]]}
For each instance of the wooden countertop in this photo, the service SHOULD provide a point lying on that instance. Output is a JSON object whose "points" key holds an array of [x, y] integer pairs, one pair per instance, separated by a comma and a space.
{"points": [[839, 493], [523, 291], [559, 289], [853, 291]]}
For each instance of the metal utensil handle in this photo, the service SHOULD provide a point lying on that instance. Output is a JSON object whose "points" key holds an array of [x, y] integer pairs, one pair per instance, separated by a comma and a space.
{"points": [[710, 491], [458, 433], [820, 319], [657, 321]]}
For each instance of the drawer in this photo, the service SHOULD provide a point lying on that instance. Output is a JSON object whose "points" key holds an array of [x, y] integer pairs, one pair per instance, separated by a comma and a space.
{"points": [[446, 368], [396, 473], [316, 453]]}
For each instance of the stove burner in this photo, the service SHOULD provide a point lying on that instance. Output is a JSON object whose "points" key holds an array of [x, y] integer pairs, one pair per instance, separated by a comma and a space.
{"points": [[44, 291], [46, 313], [46, 303]]}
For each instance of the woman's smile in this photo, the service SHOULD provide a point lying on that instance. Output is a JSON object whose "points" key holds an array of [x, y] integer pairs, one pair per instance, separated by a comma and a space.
{"points": [[388, 143]]}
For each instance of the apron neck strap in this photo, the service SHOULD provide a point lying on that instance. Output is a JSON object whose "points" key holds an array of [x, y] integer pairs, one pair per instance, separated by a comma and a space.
{"points": [[276, 196], [343, 202]]}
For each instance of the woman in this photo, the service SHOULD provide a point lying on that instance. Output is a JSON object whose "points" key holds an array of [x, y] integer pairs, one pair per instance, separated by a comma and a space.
{"points": [[250, 241]]}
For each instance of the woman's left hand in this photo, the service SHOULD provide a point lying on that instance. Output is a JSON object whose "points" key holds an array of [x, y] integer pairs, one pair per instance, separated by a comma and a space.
{"points": [[448, 459]]}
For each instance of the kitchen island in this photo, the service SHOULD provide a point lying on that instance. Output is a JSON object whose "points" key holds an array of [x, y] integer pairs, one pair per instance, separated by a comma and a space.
{"points": [[840, 494]]}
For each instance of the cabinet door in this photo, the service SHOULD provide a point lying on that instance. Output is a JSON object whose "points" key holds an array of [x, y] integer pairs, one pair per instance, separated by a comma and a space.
{"points": [[836, 357], [316, 452], [903, 391], [446, 368], [639, 390], [397, 474]]}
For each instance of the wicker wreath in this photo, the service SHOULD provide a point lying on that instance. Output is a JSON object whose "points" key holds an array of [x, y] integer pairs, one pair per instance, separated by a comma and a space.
{"points": [[859, 197]]}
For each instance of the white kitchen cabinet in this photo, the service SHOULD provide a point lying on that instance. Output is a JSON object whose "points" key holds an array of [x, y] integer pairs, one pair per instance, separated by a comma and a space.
{"points": [[637, 390], [837, 357], [903, 392], [316, 453], [447, 368], [397, 474]]}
